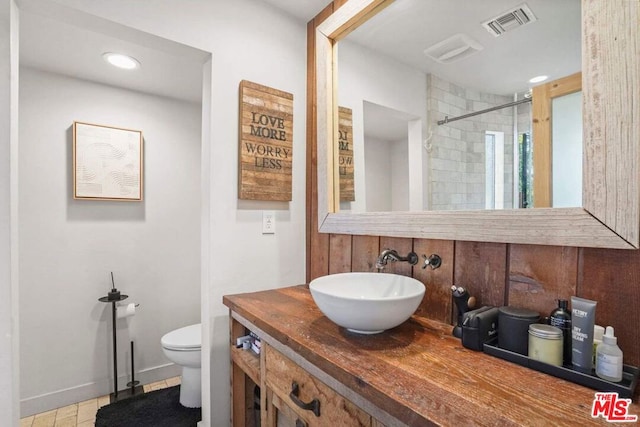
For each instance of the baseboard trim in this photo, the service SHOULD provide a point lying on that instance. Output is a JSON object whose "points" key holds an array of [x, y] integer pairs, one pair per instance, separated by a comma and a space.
{"points": [[59, 398]]}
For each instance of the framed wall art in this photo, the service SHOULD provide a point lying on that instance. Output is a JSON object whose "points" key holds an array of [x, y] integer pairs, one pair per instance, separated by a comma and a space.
{"points": [[107, 163]]}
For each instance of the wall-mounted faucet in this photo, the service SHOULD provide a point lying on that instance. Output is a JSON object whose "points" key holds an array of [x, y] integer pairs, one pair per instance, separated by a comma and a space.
{"points": [[392, 255]]}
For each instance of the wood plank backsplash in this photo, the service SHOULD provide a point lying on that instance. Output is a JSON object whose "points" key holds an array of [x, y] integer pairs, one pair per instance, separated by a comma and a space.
{"points": [[528, 276]]}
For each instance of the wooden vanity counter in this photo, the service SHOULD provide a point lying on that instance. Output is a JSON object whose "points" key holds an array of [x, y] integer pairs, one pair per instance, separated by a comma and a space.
{"points": [[416, 373]]}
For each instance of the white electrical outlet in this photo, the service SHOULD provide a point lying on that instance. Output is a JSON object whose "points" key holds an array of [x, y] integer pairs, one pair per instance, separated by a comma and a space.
{"points": [[268, 222]]}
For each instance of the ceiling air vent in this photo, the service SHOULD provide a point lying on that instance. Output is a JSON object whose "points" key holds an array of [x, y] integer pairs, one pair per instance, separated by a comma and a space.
{"points": [[453, 49], [510, 20]]}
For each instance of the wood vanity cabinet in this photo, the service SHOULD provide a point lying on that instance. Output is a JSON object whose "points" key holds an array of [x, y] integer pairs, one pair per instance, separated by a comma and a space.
{"points": [[286, 389], [416, 374]]}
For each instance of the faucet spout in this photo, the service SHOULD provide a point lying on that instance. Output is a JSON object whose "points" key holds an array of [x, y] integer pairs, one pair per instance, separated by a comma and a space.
{"points": [[393, 256]]}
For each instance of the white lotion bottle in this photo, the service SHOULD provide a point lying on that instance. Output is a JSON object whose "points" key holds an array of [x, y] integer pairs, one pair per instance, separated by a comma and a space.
{"points": [[609, 357]]}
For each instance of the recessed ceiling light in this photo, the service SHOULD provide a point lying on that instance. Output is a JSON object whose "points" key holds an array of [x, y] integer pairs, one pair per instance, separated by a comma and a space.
{"points": [[538, 79], [121, 61]]}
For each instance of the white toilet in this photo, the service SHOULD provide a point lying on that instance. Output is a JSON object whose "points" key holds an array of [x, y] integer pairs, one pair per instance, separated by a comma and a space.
{"points": [[182, 347]]}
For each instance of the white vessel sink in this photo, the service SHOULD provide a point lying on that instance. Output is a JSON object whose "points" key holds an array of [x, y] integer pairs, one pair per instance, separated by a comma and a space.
{"points": [[367, 303]]}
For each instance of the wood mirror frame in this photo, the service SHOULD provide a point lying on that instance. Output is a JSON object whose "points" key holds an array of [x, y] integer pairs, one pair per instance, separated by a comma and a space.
{"points": [[609, 217]]}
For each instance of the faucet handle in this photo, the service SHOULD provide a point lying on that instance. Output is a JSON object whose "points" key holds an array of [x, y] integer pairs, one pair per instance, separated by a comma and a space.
{"points": [[434, 261]]}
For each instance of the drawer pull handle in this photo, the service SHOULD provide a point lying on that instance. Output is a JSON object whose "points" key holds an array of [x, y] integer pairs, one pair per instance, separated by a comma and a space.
{"points": [[313, 406]]}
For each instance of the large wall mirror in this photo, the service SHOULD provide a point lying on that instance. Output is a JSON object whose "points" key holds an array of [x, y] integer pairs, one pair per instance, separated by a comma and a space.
{"points": [[436, 151], [465, 81]]}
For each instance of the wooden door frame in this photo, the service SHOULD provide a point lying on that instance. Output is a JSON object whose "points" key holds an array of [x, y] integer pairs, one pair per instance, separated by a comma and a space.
{"points": [[541, 108]]}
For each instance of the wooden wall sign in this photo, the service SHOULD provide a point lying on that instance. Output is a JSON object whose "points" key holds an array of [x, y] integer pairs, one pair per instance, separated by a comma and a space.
{"points": [[345, 154], [266, 143]]}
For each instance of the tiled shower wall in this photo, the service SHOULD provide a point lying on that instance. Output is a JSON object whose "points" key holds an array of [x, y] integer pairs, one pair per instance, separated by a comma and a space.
{"points": [[457, 150]]}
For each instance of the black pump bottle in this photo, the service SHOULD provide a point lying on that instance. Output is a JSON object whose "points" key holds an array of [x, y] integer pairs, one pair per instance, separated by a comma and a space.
{"points": [[561, 318]]}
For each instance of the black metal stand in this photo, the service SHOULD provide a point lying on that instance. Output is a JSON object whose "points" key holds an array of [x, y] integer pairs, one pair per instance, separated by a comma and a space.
{"points": [[133, 383], [113, 297]]}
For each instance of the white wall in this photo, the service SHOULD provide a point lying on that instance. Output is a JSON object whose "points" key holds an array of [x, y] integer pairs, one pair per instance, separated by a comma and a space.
{"points": [[399, 175], [249, 40], [9, 366], [377, 157], [386, 175], [364, 75], [69, 247]]}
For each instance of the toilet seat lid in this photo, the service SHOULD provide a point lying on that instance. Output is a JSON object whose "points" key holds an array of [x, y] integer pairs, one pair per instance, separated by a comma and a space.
{"points": [[186, 338]]}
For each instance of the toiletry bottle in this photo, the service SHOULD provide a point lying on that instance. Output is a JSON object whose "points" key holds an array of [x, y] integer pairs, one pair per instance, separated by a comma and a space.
{"points": [[583, 313], [609, 358], [598, 332], [561, 318]]}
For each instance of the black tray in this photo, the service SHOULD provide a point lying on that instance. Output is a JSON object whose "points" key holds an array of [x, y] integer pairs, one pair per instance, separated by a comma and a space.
{"points": [[624, 388]]}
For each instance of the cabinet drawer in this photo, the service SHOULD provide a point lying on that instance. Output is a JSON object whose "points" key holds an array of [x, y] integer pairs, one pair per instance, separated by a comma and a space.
{"points": [[282, 373]]}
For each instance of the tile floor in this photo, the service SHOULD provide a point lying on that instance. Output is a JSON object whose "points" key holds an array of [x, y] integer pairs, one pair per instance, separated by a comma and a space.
{"points": [[83, 414]]}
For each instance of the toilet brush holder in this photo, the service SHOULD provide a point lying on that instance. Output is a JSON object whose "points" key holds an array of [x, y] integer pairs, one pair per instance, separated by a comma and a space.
{"points": [[134, 388]]}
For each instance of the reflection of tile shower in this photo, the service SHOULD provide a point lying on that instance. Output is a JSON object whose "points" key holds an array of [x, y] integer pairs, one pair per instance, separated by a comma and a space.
{"points": [[457, 162]]}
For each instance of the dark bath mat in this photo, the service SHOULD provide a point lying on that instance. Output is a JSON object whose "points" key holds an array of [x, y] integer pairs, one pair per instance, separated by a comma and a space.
{"points": [[160, 408]]}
